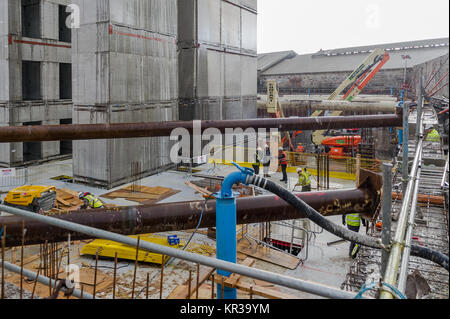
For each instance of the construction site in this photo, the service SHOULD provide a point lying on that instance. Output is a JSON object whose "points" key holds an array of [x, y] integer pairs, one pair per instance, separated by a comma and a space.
{"points": [[149, 151]]}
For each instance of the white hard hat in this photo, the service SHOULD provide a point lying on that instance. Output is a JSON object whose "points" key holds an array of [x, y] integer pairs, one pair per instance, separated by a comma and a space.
{"points": [[281, 149], [299, 170], [259, 148]]}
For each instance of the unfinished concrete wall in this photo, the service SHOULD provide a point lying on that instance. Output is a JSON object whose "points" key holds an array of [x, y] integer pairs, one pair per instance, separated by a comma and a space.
{"points": [[125, 69], [217, 62], [30, 56]]}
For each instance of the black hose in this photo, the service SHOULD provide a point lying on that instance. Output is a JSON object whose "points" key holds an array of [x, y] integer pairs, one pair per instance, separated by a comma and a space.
{"points": [[339, 230]]}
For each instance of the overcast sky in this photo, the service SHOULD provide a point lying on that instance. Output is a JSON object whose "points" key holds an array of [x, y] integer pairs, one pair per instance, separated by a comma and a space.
{"points": [[307, 26]]}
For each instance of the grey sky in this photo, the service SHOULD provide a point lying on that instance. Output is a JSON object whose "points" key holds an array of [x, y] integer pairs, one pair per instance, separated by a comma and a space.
{"points": [[307, 26]]}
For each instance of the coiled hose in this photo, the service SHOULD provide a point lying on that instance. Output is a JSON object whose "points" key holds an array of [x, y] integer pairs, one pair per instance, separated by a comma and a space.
{"points": [[339, 230]]}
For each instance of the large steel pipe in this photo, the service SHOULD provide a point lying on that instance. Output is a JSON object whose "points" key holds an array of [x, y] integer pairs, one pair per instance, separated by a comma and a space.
{"points": [[362, 107], [185, 215], [11, 134]]}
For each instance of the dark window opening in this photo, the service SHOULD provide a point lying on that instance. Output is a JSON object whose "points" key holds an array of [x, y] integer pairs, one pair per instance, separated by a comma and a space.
{"points": [[31, 19], [65, 33], [65, 147], [32, 151], [65, 81], [31, 80]]}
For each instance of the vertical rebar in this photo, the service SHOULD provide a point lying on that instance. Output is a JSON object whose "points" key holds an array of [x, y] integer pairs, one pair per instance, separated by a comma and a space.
{"points": [[198, 280], [212, 286], [114, 276], [21, 260], [135, 267], [222, 288], [387, 214], [95, 273], [3, 262], [146, 285], [189, 285], [162, 277], [36, 280], [251, 292]]}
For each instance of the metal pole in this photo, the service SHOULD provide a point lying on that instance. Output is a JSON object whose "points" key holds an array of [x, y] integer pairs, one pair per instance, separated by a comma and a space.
{"points": [[420, 105], [405, 165], [395, 254], [44, 280], [387, 214], [282, 280], [403, 272]]}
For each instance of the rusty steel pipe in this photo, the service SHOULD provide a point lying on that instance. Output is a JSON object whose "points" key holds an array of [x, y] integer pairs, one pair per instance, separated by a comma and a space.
{"points": [[45, 133], [185, 215]]}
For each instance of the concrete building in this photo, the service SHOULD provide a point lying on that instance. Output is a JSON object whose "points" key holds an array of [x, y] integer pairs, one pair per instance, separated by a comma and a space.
{"points": [[126, 68], [36, 83], [218, 59], [322, 72], [125, 71]]}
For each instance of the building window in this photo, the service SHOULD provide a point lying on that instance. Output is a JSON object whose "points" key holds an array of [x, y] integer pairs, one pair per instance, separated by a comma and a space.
{"points": [[31, 19], [65, 81], [65, 34], [65, 147], [31, 80]]}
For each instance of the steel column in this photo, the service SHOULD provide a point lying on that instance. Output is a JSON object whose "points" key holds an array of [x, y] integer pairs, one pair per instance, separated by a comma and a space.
{"points": [[387, 214]]}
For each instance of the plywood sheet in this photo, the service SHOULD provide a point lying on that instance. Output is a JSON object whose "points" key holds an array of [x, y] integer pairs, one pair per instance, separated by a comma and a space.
{"points": [[267, 254]]}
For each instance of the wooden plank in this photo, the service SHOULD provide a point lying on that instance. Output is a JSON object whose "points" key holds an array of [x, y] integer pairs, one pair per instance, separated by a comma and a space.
{"points": [[234, 278], [180, 292], [269, 293], [267, 254]]}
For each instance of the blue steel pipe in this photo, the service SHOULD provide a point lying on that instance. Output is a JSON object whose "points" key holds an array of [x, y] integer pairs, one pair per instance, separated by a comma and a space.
{"points": [[226, 226]]}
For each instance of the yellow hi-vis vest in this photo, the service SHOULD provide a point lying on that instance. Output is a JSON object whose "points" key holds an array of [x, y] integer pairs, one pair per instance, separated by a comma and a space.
{"points": [[93, 202], [433, 136], [303, 179], [353, 220]]}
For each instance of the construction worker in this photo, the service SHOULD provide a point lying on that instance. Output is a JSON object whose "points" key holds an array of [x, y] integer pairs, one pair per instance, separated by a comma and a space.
{"points": [[266, 160], [304, 180], [433, 136], [90, 201], [282, 158], [257, 160], [353, 222], [300, 148]]}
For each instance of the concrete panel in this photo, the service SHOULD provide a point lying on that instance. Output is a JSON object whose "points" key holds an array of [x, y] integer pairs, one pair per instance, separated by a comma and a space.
{"points": [[50, 25], [232, 109], [249, 109], [210, 74], [50, 80], [249, 76], [249, 31], [231, 25], [232, 75], [209, 17]]}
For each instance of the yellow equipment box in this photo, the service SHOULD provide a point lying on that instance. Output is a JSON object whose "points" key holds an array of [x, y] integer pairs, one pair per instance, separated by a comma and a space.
{"points": [[107, 248], [32, 198]]}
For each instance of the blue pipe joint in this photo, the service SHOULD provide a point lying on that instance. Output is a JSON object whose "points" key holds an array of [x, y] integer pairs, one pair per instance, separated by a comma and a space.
{"points": [[226, 225]]}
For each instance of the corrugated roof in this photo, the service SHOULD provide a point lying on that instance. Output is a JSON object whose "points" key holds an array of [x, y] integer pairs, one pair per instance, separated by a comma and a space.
{"points": [[268, 60], [314, 63], [439, 42]]}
